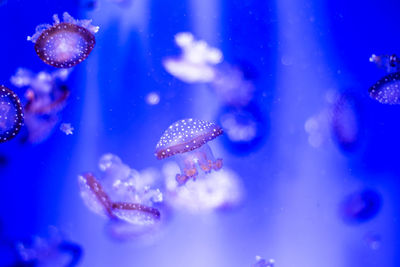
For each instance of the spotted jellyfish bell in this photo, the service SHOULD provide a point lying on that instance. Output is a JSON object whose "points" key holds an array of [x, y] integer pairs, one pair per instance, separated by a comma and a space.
{"points": [[387, 89], [64, 44], [260, 262], [187, 140], [11, 114]]}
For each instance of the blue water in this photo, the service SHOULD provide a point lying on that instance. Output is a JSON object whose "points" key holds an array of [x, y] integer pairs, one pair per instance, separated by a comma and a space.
{"points": [[295, 52]]}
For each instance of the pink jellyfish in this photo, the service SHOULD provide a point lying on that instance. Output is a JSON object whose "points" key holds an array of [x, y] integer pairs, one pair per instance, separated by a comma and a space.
{"points": [[64, 44], [187, 139]]}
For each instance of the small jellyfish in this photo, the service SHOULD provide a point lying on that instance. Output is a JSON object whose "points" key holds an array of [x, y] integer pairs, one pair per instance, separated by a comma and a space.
{"points": [[260, 262], [66, 128], [244, 128], [187, 140], [196, 64], [11, 114], [64, 44], [390, 62], [153, 98], [387, 89], [360, 206]]}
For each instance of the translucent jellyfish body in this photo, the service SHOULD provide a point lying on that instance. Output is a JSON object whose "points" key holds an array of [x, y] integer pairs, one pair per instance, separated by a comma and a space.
{"points": [[53, 251], [387, 89], [346, 122], [260, 262], [360, 206], [391, 63], [215, 191], [46, 97], [196, 64], [11, 114], [66, 128], [187, 140], [244, 128], [231, 86], [123, 197], [64, 44]]}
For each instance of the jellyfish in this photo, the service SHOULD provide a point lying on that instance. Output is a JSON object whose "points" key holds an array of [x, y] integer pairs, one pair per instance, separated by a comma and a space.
{"points": [[51, 251], [231, 86], [260, 262], [220, 190], [196, 64], [64, 44], [360, 206], [11, 114], [244, 128], [391, 63], [121, 197], [345, 122], [46, 97], [386, 90], [187, 140], [66, 128]]}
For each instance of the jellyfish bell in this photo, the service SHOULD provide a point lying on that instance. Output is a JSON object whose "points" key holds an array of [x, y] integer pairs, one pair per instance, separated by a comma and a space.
{"points": [[94, 196], [360, 206], [387, 89], [64, 44], [11, 114], [187, 140], [244, 128]]}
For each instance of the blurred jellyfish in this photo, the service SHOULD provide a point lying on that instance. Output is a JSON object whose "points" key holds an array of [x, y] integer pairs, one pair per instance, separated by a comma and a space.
{"points": [[46, 97], [231, 86], [340, 120], [64, 44], [345, 121], [66, 128], [360, 206], [387, 89], [11, 114], [196, 64], [373, 240], [187, 140], [54, 251], [317, 128], [244, 128], [217, 190], [153, 98], [124, 196], [390, 63], [260, 262]]}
